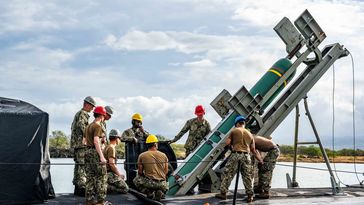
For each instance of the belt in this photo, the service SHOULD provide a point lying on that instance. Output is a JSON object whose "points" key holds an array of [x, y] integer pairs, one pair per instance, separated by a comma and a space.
{"points": [[156, 180], [273, 148], [239, 152]]}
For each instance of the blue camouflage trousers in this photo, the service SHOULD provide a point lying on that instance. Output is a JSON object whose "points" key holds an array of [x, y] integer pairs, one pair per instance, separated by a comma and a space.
{"points": [[96, 176], [144, 184], [231, 168], [116, 184], [265, 171], [79, 173]]}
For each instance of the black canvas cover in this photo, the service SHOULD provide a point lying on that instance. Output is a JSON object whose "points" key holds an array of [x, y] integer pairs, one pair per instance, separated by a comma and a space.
{"points": [[24, 155]]}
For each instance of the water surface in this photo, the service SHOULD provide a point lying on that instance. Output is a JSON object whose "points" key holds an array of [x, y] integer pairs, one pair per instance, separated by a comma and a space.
{"points": [[62, 175]]}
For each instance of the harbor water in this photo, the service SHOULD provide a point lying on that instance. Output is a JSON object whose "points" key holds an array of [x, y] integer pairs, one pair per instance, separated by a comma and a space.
{"points": [[62, 174]]}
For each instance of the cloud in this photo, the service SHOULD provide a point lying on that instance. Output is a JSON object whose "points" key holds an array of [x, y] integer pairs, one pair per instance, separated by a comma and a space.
{"points": [[137, 40], [203, 64], [184, 42], [337, 18], [56, 53], [31, 15]]}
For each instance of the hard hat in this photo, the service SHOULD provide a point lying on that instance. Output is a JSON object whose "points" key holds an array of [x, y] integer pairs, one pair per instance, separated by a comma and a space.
{"points": [[100, 110], [151, 139], [90, 100], [199, 110], [114, 133], [239, 119], [137, 116], [109, 110]]}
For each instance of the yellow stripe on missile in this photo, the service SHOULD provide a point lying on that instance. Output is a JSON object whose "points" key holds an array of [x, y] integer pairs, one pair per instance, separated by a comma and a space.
{"points": [[277, 73]]}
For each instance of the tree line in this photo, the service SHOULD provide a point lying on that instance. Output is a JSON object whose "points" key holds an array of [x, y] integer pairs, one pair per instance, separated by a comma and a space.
{"points": [[314, 151], [59, 147]]}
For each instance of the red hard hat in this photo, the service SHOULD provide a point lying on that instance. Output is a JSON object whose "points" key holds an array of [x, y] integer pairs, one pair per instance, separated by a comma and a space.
{"points": [[100, 110], [199, 110]]}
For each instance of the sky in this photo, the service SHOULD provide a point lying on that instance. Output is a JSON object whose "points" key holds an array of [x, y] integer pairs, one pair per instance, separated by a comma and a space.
{"points": [[162, 58]]}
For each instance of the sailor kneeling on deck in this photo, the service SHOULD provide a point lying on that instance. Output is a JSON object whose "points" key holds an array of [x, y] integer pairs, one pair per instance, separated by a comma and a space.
{"points": [[115, 180], [152, 171]]}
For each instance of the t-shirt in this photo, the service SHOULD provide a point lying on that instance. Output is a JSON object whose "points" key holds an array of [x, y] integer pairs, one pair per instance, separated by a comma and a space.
{"points": [[110, 152], [154, 163], [92, 130], [241, 139]]}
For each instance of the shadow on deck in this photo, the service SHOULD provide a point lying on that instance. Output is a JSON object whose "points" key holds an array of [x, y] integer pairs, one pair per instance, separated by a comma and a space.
{"points": [[297, 196]]}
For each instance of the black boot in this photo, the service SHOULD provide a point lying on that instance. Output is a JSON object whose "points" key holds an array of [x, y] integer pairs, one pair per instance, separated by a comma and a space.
{"points": [[221, 196], [159, 195], [258, 190], [79, 191], [264, 195], [249, 198]]}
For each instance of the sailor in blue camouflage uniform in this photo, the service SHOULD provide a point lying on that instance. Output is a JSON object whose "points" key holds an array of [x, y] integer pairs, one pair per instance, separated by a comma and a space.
{"points": [[197, 127], [109, 113], [96, 172], [152, 171], [79, 124], [136, 132], [134, 139], [242, 143], [115, 180], [265, 169]]}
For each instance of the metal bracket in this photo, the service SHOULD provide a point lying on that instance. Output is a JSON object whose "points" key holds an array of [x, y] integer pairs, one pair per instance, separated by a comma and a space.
{"points": [[255, 121], [336, 189], [244, 103], [310, 29], [290, 36], [221, 104]]}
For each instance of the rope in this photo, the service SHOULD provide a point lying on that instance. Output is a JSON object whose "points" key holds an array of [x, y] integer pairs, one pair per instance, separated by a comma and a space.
{"points": [[353, 107], [333, 125], [183, 162], [315, 168], [353, 124]]}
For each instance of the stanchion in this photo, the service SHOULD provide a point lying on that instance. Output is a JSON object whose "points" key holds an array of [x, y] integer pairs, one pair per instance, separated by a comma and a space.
{"points": [[236, 183]]}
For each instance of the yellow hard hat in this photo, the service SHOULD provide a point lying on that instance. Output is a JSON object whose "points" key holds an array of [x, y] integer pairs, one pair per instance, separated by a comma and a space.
{"points": [[151, 139], [137, 116]]}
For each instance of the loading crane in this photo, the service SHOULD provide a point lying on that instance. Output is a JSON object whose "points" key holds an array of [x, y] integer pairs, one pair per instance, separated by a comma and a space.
{"points": [[265, 105]]}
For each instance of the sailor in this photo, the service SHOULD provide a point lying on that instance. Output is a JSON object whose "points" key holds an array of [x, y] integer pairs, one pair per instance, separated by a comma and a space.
{"points": [[109, 113], [79, 124], [265, 169], [136, 132], [242, 143], [198, 128], [115, 180], [96, 176], [135, 144], [152, 171]]}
